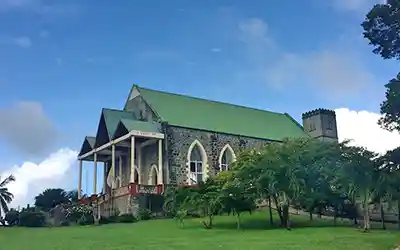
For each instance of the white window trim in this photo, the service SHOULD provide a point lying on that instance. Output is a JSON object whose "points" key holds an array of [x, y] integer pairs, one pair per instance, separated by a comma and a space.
{"points": [[203, 159], [226, 147]]}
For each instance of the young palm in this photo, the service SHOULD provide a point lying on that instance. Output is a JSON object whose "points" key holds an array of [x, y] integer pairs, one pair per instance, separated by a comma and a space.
{"points": [[5, 196]]}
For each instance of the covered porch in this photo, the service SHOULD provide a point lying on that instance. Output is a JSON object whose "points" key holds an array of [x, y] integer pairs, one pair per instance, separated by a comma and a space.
{"points": [[124, 154]]}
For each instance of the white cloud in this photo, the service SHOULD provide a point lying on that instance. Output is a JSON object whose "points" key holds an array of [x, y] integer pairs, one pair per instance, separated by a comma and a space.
{"points": [[22, 41], [360, 6], [26, 127], [362, 127], [216, 50], [32, 178], [43, 7], [336, 68]]}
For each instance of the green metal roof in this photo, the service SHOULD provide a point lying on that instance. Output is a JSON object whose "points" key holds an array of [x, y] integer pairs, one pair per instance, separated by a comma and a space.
{"points": [[87, 145], [112, 118], [191, 112], [91, 140], [130, 124], [141, 125]]}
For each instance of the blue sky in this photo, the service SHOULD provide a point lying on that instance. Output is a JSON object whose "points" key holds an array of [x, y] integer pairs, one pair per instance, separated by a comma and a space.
{"points": [[65, 60]]}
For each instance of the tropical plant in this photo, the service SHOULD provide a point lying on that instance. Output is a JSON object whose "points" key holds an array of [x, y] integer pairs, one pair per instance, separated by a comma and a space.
{"points": [[5, 196], [50, 198]]}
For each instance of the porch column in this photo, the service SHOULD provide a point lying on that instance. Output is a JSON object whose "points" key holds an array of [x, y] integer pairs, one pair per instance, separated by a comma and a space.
{"points": [[105, 178], [120, 170], [113, 165], [132, 177], [139, 165], [160, 163], [95, 174], [80, 180]]}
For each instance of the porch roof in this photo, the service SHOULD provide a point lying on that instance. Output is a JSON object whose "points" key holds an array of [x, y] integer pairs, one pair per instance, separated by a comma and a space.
{"points": [[126, 125], [87, 145]]}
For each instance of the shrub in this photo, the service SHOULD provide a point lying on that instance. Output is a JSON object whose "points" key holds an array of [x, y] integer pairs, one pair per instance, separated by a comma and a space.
{"points": [[32, 219], [86, 220], [144, 214], [104, 220], [126, 218], [12, 217], [79, 212], [65, 223]]}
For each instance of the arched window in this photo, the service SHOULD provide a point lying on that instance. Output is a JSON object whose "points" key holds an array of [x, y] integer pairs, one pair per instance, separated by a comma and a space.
{"points": [[226, 157], [153, 176], [136, 175], [197, 163]]}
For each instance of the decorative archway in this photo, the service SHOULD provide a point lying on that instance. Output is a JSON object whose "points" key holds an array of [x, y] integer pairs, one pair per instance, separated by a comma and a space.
{"points": [[136, 175], [153, 175], [197, 163], [226, 157]]}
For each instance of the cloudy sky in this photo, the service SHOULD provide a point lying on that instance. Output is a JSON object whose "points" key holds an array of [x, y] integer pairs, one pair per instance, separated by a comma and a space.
{"points": [[62, 61]]}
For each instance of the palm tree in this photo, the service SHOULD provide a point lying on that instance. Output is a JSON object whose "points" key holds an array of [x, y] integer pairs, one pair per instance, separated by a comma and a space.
{"points": [[5, 196]]}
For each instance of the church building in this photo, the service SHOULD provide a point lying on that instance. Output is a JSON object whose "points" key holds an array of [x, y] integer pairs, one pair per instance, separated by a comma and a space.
{"points": [[161, 138]]}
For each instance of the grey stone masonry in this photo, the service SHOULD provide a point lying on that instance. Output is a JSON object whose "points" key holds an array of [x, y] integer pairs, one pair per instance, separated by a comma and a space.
{"points": [[179, 140]]}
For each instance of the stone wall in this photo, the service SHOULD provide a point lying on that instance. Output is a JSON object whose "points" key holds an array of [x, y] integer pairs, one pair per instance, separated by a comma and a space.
{"points": [[179, 140]]}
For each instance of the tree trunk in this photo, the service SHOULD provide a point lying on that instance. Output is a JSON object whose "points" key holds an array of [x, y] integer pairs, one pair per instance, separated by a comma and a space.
{"points": [[238, 221], [271, 219], [335, 214], [366, 216], [286, 218], [382, 216], [398, 214], [310, 213], [279, 210]]}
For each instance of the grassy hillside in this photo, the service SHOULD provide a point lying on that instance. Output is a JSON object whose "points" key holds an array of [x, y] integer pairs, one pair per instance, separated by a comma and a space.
{"points": [[166, 234]]}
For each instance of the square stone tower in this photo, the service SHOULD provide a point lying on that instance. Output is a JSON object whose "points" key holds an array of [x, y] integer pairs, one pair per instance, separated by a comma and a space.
{"points": [[321, 124]]}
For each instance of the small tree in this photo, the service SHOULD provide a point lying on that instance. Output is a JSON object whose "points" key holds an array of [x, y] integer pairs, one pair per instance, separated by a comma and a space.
{"points": [[5, 196]]}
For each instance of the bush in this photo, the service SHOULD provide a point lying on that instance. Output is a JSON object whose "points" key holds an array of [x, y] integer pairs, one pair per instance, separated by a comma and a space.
{"points": [[79, 212], [126, 218], [65, 223], [86, 220], [12, 217], [32, 219], [144, 214]]}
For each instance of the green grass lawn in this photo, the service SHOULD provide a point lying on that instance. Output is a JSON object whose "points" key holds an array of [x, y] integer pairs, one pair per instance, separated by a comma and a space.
{"points": [[166, 234]]}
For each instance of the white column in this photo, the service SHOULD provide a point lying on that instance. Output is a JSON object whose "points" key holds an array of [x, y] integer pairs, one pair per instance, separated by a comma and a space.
{"points": [[104, 178], [113, 163], [139, 165], [160, 163], [132, 178], [80, 180], [95, 174], [120, 170]]}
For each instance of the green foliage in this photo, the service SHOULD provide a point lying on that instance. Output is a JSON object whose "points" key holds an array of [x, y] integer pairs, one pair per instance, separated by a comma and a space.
{"points": [[382, 29], [5, 196], [390, 108], [50, 198], [144, 214], [126, 218], [12, 217], [79, 213], [29, 218]]}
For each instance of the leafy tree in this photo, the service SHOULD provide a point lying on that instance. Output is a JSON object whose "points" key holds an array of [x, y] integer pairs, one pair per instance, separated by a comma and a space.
{"points": [[361, 170], [236, 196], [5, 196], [50, 198], [382, 29], [390, 108], [207, 199]]}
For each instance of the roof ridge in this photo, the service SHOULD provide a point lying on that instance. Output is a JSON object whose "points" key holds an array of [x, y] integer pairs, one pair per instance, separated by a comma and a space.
{"points": [[110, 109], [208, 100]]}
